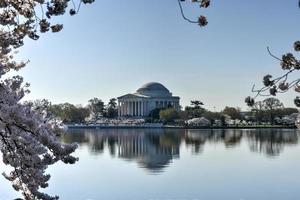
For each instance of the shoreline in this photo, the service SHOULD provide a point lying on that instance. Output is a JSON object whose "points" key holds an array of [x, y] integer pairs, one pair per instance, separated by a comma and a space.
{"points": [[160, 126]]}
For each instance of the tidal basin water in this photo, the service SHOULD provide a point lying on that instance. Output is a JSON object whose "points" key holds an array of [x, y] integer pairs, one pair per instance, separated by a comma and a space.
{"points": [[167, 164]]}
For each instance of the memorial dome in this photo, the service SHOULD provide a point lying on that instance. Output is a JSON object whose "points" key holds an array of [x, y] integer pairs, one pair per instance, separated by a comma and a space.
{"points": [[154, 89]]}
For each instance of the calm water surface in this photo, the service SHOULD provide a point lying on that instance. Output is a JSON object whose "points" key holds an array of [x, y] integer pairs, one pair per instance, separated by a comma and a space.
{"points": [[155, 164]]}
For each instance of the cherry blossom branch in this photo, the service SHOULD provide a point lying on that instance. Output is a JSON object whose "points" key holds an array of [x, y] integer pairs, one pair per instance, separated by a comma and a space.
{"points": [[272, 86], [202, 21]]}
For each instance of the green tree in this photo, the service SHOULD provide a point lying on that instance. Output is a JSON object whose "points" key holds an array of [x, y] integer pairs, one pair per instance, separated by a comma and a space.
{"points": [[271, 107], [194, 110], [80, 114], [168, 115], [70, 113], [112, 109], [196, 104], [287, 111], [234, 113], [212, 116], [97, 107], [257, 111]]}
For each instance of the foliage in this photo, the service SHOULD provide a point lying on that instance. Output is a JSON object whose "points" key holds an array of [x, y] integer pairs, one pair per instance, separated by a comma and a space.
{"points": [[112, 109], [194, 110], [97, 107], [268, 109], [234, 113], [212, 116], [69, 113], [196, 104], [287, 111], [168, 115]]}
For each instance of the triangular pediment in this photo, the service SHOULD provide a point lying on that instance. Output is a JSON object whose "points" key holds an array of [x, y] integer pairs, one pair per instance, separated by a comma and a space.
{"points": [[128, 96]]}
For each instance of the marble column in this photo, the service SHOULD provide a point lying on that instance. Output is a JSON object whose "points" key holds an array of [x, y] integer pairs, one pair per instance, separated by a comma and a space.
{"points": [[122, 113], [123, 108], [132, 105], [136, 108], [127, 106], [119, 108], [133, 108]]}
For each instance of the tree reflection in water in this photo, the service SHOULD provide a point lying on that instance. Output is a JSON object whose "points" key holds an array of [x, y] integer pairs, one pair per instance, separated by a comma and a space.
{"points": [[154, 149], [271, 142]]}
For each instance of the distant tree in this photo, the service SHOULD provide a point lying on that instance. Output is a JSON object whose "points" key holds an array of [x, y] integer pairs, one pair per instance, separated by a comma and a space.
{"points": [[212, 116], [112, 109], [81, 113], [257, 111], [195, 109], [223, 120], [271, 107], [70, 113], [234, 113], [196, 104], [168, 115], [97, 107], [43, 106], [57, 110], [287, 111]]}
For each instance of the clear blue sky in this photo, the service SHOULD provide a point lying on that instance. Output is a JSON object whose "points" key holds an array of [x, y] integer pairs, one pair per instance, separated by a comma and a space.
{"points": [[112, 47]]}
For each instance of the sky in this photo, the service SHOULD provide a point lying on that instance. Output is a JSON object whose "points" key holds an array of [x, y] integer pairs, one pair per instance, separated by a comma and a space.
{"points": [[111, 48]]}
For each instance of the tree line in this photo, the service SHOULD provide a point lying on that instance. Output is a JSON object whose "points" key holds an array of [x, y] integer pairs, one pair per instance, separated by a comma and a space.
{"points": [[70, 113], [265, 111]]}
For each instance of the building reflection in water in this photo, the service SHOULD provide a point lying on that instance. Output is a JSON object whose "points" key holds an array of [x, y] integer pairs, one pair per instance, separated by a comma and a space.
{"points": [[154, 149], [150, 148]]}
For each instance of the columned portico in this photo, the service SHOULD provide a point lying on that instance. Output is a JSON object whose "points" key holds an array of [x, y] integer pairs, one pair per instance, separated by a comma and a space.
{"points": [[146, 98], [132, 108]]}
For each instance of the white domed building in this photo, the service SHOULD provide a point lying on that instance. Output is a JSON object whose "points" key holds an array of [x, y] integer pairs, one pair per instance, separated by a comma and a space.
{"points": [[145, 99]]}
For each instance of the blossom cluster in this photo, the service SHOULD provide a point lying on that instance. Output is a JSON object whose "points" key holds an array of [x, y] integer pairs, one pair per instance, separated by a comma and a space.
{"points": [[28, 135]]}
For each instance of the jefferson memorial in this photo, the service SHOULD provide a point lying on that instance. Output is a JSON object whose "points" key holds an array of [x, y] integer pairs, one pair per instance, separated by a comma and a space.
{"points": [[145, 99]]}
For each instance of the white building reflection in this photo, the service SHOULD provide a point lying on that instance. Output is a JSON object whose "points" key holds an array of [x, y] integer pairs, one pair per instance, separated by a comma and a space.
{"points": [[147, 147], [147, 151]]}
